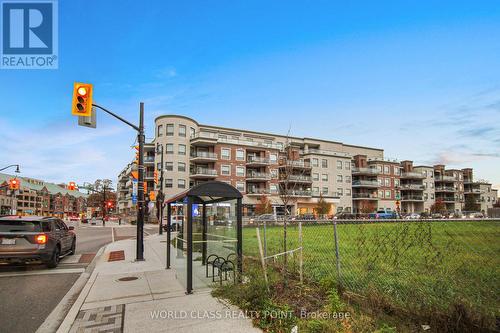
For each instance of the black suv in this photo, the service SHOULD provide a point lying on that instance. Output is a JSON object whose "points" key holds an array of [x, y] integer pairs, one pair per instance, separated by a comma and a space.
{"points": [[25, 239]]}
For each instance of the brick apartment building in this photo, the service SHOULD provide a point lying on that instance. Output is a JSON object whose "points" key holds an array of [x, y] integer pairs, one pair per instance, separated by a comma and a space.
{"points": [[350, 178], [37, 197]]}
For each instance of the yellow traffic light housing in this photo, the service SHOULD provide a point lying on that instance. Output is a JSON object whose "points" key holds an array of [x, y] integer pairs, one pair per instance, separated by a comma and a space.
{"points": [[152, 196], [156, 177], [71, 186], [82, 99], [14, 184]]}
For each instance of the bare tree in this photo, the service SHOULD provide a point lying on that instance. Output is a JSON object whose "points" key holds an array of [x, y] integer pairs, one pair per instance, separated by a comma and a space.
{"points": [[291, 169]]}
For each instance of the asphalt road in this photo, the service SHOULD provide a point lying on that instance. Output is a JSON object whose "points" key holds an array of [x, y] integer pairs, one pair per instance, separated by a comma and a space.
{"points": [[29, 294]]}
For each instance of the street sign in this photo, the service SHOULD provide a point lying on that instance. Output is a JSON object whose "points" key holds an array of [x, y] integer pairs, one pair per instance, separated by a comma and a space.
{"points": [[135, 187], [134, 199]]}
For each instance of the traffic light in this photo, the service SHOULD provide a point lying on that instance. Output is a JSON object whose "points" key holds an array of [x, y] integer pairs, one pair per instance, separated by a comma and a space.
{"points": [[152, 196], [13, 184], [136, 155], [145, 187], [109, 204], [71, 186], [156, 176], [82, 99]]}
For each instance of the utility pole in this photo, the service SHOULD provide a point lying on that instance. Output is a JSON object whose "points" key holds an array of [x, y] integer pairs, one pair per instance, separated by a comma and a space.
{"points": [[140, 190]]}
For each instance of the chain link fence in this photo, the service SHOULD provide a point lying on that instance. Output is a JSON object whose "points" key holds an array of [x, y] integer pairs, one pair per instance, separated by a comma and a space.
{"points": [[420, 267]]}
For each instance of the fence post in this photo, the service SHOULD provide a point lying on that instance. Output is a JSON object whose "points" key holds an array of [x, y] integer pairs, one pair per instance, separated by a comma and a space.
{"points": [[262, 258], [337, 255], [301, 262], [265, 240]]}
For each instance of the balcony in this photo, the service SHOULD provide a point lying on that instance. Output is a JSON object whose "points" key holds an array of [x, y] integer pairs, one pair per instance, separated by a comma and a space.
{"points": [[258, 176], [364, 196], [300, 193], [445, 189], [412, 187], [365, 183], [412, 175], [445, 179], [257, 161], [203, 156], [257, 191], [447, 199], [203, 173], [297, 179], [474, 190], [412, 198], [149, 159], [149, 175], [299, 164], [204, 139], [365, 171]]}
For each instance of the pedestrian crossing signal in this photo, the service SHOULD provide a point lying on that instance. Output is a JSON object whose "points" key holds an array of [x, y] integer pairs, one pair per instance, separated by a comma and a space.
{"points": [[82, 99]]}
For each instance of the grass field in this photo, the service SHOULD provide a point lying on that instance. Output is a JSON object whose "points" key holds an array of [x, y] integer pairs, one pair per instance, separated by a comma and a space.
{"points": [[418, 266]]}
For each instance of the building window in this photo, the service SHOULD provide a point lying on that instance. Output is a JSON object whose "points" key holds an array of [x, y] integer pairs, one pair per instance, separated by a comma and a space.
{"points": [[348, 179], [240, 171], [324, 190], [347, 165], [159, 131], [315, 162], [348, 192], [432, 196], [397, 171], [339, 178], [170, 129], [379, 180], [380, 194], [181, 183], [315, 190], [182, 149], [170, 148], [340, 191], [240, 186], [324, 177], [339, 165], [225, 170], [425, 185], [273, 188], [181, 166], [388, 194], [396, 182], [280, 145], [169, 182], [386, 169], [240, 155], [315, 176], [387, 182], [182, 130], [169, 166], [273, 158], [379, 168], [192, 132], [432, 185], [324, 163], [225, 153], [426, 196], [158, 166], [274, 173]]}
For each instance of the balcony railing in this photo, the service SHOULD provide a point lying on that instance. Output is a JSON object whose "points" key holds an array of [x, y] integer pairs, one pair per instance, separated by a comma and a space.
{"points": [[149, 175], [257, 160], [445, 189], [214, 137], [258, 175], [300, 193], [412, 198], [296, 164], [323, 152], [149, 159], [364, 196], [412, 187], [412, 175], [204, 172], [446, 178], [257, 191], [368, 171], [204, 155], [370, 183]]}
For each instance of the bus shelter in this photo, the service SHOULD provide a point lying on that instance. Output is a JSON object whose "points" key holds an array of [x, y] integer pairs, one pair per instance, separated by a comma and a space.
{"points": [[210, 228]]}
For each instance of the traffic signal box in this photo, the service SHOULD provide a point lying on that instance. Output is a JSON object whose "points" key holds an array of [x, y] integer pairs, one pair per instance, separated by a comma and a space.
{"points": [[71, 186], [82, 100]]}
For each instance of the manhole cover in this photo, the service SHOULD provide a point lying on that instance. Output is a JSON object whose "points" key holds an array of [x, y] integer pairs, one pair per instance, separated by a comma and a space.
{"points": [[128, 278]]}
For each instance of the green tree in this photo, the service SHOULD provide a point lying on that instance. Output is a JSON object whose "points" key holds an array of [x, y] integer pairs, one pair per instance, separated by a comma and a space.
{"points": [[470, 204], [322, 208]]}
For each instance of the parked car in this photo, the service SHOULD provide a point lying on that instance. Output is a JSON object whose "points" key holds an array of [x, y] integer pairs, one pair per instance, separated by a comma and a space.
{"points": [[26, 239], [412, 216], [437, 216], [306, 217], [476, 216], [344, 216], [383, 214]]}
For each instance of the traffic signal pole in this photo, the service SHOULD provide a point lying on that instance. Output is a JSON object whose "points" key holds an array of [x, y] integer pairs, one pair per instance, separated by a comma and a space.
{"points": [[140, 167], [140, 190]]}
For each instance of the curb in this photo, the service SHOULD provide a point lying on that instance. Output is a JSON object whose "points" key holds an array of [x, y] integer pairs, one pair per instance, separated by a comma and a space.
{"points": [[58, 317]]}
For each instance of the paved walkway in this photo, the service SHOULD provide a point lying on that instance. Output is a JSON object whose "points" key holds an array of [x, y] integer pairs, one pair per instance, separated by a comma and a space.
{"points": [[129, 296]]}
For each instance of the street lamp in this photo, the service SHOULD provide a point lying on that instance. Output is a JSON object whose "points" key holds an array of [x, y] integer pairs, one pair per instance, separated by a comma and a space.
{"points": [[12, 165], [159, 199]]}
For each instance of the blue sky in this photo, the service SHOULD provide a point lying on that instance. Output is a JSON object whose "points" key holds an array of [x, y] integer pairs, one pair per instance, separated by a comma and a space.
{"points": [[420, 79]]}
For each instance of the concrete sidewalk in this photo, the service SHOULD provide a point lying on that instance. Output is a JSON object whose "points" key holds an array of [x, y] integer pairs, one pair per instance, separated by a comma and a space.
{"points": [[151, 299]]}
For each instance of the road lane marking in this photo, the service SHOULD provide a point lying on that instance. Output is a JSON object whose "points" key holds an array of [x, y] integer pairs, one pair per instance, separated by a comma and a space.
{"points": [[44, 272]]}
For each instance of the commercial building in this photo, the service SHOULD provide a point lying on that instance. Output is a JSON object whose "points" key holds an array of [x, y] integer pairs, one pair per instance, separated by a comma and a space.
{"points": [[37, 197], [350, 178]]}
